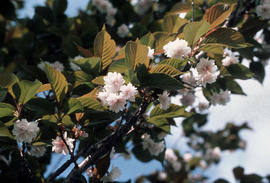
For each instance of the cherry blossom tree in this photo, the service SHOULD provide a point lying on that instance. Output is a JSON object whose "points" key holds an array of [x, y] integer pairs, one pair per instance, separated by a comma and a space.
{"points": [[100, 84]]}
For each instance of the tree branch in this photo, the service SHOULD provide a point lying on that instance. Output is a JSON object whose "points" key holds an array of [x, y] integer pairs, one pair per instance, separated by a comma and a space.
{"points": [[98, 150]]}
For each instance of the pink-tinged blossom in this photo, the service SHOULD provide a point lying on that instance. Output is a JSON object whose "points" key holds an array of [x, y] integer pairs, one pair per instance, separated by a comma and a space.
{"points": [[207, 71], [162, 176], [230, 59], [116, 102], [122, 31], [59, 145], [155, 148], [164, 100], [189, 78], [25, 131], [221, 98], [37, 151], [129, 92], [177, 49], [203, 106], [188, 99], [113, 82], [150, 52]]}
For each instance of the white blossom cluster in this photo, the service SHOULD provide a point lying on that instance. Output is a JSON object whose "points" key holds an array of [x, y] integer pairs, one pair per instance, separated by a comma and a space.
{"points": [[143, 6], [25, 131], [122, 31], [221, 98], [155, 148], [164, 100], [115, 93], [213, 154], [263, 10], [56, 65], [105, 6], [177, 49], [171, 157], [59, 145], [113, 174]]}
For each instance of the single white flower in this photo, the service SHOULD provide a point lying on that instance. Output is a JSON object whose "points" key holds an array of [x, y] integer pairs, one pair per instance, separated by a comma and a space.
{"points": [[162, 176], [207, 70], [188, 99], [155, 148], [170, 155], [143, 6], [89, 172], [25, 131], [177, 49], [150, 52], [37, 151], [122, 31], [213, 154], [230, 59], [164, 100], [187, 157], [113, 82], [263, 10], [56, 65], [221, 98], [203, 164], [59, 145], [203, 106], [129, 92], [176, 166]]}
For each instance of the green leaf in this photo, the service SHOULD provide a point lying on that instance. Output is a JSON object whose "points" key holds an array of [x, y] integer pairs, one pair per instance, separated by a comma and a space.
{"points": [[4, 131], [25, 90], [221, 181], [119, 66], [6, 110], [7, 80], [91, 104], [217, 14], [226, 37], [180, 8], [40, 106], [161, 39], [73, 105], [81, 78], [173, 23], [3, 93], [188, 123], [148, 40], [176, 63], [58, 82], [212, 50], [104, 47], [240, 71], [92, 65], [172, 112], [136, 54], [258, 69], [161, 81], [231, 85], [194, 30], [98, 80], [166, 69], [161, 123]]}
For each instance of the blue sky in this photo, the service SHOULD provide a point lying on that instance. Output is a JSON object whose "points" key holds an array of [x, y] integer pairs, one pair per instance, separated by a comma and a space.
{"points": [[254, 109]]}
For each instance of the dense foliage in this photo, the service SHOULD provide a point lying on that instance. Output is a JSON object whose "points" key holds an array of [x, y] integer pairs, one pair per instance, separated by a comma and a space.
{"points": [[100, 83]]}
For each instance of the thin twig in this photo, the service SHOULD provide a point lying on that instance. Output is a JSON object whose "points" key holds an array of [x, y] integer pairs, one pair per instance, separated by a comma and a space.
{"points": [[192, 4]]}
